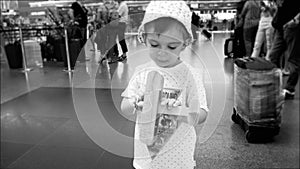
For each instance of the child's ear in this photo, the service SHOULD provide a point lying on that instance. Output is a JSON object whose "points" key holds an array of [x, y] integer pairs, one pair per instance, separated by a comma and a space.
{"points": [[142, 38], [183, 46], [145, 39]]}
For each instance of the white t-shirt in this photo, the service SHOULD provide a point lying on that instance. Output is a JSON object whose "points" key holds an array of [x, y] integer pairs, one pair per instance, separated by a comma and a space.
{"points": [[123, 12], [178, 152]]}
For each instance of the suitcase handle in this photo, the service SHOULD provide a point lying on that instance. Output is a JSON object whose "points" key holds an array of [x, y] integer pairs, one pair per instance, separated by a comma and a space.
{"points": [[261, 83], [226, 52]]}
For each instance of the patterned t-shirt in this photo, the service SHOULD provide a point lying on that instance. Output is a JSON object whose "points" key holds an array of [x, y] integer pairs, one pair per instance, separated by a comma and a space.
{"points": [[174, 146]]}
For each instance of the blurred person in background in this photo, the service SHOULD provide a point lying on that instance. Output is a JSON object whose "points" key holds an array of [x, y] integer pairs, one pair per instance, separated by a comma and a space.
{"points": [[265, 29], [101, 16], [195, 25], [101, 33], [287, 39], [123, 14], [91, 27], [250, 16], [112, 54], [105, 39], [239, 27], [79, 14]]}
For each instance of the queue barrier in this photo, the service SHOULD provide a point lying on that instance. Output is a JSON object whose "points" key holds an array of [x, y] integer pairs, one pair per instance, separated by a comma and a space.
{"points": [[15, 49]]}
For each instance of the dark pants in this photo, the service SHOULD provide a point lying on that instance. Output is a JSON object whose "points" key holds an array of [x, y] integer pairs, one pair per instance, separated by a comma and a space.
{"points": [[106, 41], [278, 48], [249, 39], [287, 40], [293, 77], [194, 31], [121, 36], [239, 35], [113, 33], [83, 34], [101, 39], [112, 47]]}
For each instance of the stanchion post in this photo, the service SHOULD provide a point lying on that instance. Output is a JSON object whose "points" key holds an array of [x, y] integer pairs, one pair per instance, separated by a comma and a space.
{"points": [[25, 68], [67, 50], [87, 32]]}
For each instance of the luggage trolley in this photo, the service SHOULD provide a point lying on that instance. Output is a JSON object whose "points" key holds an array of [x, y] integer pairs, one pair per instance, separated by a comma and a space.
{"points": [[258, 102]]}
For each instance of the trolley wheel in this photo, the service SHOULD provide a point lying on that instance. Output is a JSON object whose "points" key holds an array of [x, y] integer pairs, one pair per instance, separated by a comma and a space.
{"points": [[276, 131], [234, 116], [250, 136]]}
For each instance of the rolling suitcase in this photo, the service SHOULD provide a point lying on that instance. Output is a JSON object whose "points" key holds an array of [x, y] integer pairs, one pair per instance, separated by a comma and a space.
{"points": [[33, 53], [258, 99], [229, 45], [234, 46], [206, 34], [14, 55]]}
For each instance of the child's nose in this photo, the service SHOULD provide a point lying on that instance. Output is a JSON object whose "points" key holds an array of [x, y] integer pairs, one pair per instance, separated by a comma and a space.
{"points": [[162, 52]]}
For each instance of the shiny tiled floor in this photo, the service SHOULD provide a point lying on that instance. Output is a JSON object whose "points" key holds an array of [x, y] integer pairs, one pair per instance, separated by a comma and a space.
{"points": [[41, 127]]}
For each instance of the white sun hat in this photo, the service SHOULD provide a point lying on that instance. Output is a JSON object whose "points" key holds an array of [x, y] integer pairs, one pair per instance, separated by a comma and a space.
{"points": [[175, 9]]}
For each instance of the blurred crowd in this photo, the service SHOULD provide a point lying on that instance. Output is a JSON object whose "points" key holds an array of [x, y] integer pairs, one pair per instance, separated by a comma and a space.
{"points": [[102, 25], [270, 29], [264, 28]]}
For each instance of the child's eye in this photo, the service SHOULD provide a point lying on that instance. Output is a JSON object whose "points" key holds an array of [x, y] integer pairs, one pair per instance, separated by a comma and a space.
{"points": [[154, 45], [172, 47]]}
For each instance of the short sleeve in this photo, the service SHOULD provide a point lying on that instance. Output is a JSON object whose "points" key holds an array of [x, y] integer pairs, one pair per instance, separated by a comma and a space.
{"points": [[131, 90], [136, 85], [123, 11], [196, 90]]}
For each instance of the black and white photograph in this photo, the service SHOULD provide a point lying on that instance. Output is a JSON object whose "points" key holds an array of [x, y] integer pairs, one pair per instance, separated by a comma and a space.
{"points": [[150, 84]]}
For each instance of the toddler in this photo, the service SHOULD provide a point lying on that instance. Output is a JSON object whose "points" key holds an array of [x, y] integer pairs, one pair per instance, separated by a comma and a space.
{"points": [[166, 31]]}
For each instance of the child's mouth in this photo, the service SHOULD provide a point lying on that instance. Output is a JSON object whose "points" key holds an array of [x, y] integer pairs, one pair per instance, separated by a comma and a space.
{"points": [[162, 59], [162, 63]]}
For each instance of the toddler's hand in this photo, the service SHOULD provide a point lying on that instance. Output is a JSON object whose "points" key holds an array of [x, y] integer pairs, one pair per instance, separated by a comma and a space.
{"points": [[137, 101], [139, 105]]}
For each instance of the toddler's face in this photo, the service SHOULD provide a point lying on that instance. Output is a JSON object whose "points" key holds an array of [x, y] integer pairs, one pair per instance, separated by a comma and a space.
{"points": [[164, 49]]}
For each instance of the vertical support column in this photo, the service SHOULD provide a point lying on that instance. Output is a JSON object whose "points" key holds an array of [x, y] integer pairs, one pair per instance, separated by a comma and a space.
{"points": [[25, 68], [67, 51]]}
